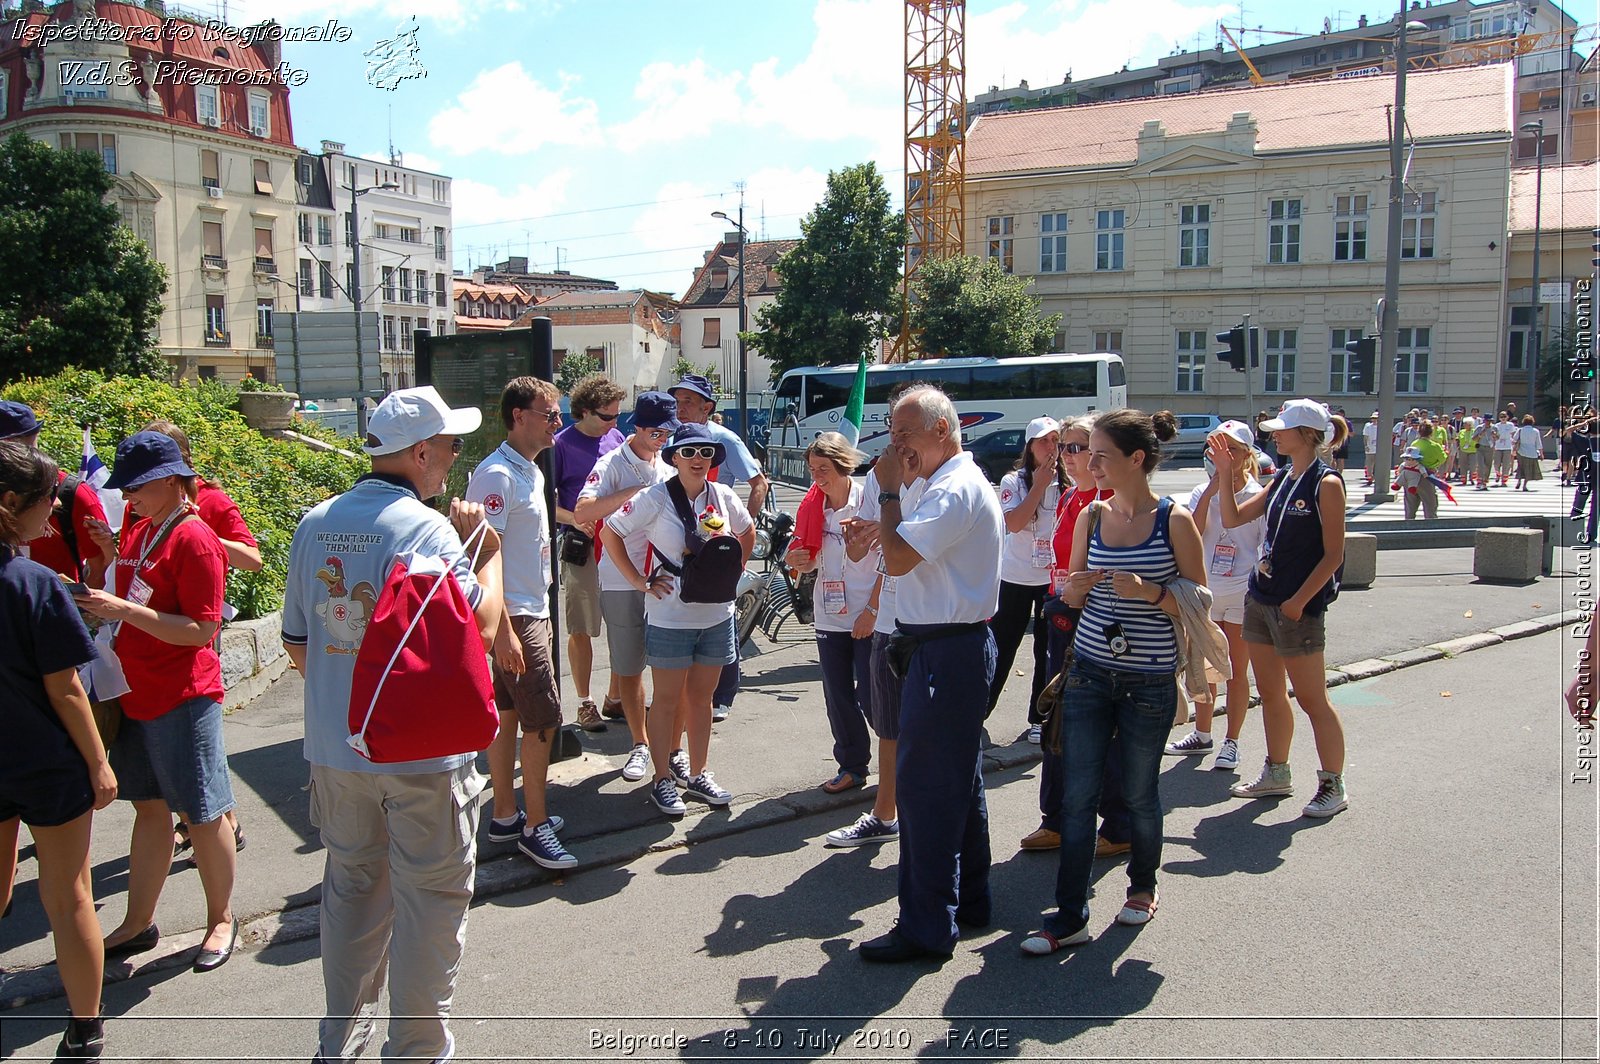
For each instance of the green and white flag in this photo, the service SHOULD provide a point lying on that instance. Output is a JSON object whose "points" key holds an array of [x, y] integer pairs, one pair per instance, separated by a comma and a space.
{"points": [[850, 427]]}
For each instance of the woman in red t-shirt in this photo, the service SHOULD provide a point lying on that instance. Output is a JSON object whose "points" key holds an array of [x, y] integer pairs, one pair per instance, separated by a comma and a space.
{"points": [[168, 753]]}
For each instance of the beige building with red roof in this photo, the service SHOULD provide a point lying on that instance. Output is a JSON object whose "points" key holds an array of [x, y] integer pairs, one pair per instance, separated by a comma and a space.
{"points": [[633, 333], [488, 307], [1153, 224], [1568, 215], [194, 126], [710, 309]]}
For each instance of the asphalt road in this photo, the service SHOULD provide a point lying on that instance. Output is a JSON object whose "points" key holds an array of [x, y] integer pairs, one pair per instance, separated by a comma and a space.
{"points": [[1449, 914]]}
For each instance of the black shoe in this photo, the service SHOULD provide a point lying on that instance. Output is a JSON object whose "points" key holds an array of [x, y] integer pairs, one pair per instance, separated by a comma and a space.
{"points": [[83, 1043], [210, 959], [974, 919], [143, 942], [895, 948]]}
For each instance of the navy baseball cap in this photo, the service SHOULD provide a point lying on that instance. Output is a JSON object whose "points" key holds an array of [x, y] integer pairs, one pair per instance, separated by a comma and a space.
{"points": [[656, 410], [695, 383], [17, 419], [690, 433], [146, 456]]}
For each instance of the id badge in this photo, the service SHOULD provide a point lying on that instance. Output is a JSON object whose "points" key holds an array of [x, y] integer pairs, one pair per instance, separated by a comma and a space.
{"points": [[888, 581], [544, 555], [139, 592], [1222, 559], [1058, 582], [833, 598], [1044, 555]]}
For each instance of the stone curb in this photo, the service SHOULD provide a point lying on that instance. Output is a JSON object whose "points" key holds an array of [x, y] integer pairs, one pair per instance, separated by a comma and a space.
{"points": [[297, 924]]}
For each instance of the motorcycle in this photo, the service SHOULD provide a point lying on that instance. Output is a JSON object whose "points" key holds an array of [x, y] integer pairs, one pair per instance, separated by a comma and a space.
{"points": [[769, 597]]}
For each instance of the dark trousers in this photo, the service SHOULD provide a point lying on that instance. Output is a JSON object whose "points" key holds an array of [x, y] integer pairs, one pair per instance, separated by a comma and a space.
{"points": [[847, 694], [1139, 707], [944, 819], [1019, 604], [1585, 495], [727, 683], [1113, 810]]}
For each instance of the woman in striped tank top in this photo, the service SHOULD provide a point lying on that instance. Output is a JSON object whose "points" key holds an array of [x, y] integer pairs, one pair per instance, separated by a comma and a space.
{"points": [[1124, 677]]}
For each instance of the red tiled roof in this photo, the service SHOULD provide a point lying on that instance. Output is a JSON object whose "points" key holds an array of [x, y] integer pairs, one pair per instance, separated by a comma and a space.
{"points": [[1571, 197], [761, 272], [1294, 116], [466, 286]]}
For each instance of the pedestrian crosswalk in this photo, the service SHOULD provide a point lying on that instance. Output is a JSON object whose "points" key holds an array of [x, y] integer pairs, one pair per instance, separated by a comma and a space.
{"points": [[1544, 498]]}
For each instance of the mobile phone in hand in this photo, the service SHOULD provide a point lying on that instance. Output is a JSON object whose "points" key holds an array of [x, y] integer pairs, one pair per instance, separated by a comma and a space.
{"points": [[75, 587]]}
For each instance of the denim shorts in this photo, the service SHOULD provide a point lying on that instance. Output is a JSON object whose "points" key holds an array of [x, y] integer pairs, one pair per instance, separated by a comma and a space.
{"points": [[678, 648], [177, 758]]}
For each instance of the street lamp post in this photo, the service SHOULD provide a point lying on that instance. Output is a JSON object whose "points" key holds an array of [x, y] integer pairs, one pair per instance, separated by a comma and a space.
{"points": [[355, 293], [1530, 353], [744, 361], [1389, 322]]}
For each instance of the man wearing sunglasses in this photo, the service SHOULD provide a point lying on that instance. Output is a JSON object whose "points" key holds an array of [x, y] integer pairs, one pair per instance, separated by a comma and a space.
{"points": [[596, 402], [68, 549]]}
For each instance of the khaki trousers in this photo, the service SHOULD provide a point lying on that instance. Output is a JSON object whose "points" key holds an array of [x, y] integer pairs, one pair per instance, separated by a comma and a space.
{"points": [[398, 879]]}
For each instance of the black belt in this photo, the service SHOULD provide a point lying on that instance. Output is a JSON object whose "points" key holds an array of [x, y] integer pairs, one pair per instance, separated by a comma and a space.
{"points": [[928, 632]]}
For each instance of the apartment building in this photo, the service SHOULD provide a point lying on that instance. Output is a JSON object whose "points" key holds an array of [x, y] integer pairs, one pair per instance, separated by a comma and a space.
{"points": [[203, 166], [488, 307], [514, 271], [1153, 224], [633, 333], [710, 309], [1566, 214]]}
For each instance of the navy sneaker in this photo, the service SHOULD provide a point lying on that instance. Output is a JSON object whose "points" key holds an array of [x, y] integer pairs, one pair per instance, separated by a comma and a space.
{"points": [[664, 794], [680, 767], [508, 831], [544, 848], [705, 788], [868, 829]]}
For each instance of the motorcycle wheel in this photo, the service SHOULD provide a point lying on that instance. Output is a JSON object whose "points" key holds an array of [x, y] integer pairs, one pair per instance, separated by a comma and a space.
{"points": [[746, 615]]}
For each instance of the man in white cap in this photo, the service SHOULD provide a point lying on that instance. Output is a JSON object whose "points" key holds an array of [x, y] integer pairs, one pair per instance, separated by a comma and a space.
{"points": [[399, 837]]}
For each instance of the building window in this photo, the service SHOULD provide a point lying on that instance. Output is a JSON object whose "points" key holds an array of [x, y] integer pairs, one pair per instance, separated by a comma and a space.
{"points": [[324, 230], [264, 309], [85, 80], [1349, 228], [211, 244], [1108, 239], [216, 321], [1283, 231], [350, 279], [207, 373], [325, 280], [712, 337], [441, 326], [405, 285], [1416, 225], [206, 111], [1279, 358], [388, 284], [388, 332], [405, 334], [1517, 339], [410, 236], [305, 172], [349, 228], [1339, 360], [4, 99], [1052, 243], [260, 120], [307, 278], [263, 178], [264, 258], [439, 298], [210, 173], [1411, 363], [101, 145], [438, 241], [1194, 234], [1108, 340], [305, 229], [441, 191], [1191, 345], [1000, 241]]}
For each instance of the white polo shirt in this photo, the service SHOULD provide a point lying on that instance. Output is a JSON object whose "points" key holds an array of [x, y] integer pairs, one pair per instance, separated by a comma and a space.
{"points": [[957, 527], [871, 511], [650, 512], [511, 489], [619, 469], [857, 577], [1018, 562]]}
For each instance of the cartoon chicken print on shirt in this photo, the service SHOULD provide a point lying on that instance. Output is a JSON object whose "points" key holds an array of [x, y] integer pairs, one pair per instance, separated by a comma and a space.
{"points": [[347, 611]]}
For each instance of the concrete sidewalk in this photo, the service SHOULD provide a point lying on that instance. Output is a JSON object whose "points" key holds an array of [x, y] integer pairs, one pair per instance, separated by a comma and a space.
{"points": [[773, 753]]}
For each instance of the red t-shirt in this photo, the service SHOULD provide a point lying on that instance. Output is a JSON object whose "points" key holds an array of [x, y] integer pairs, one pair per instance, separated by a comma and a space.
{"points": [[221, 514], [50, 550], [1068, 520], [186, 575]]}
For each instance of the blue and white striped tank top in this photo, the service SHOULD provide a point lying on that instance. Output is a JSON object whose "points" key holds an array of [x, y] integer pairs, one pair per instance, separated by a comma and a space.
{"points": [[1152, 643]]}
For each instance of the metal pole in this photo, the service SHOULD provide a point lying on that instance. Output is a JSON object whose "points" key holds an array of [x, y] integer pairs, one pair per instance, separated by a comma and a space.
{"points": [[355, 301], [1389, 327], [1532, 352], [1249, 377], [744, 361]]}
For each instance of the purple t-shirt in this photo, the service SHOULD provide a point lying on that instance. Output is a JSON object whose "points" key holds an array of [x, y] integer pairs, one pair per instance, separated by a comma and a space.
{"points": [[573, 457]]}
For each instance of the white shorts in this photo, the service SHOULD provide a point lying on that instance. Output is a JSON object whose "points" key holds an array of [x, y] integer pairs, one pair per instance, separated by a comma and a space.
{"points": [[1229, 606]]}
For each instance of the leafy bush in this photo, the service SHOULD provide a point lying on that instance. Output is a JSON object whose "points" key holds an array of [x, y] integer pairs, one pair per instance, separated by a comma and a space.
{"points": [[274, 482]]}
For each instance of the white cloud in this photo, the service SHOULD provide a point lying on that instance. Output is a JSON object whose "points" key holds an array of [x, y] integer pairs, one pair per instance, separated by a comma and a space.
{"points": [[448, 17], [474, 202], [508, 111], [680, 102]]}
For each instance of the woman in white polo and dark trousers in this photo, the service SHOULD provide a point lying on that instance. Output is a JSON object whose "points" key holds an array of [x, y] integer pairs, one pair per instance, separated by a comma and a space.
{"points": [[686, 643]]}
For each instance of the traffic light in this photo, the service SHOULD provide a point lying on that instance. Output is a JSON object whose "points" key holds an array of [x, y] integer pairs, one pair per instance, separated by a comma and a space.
{"points": [[1359, 375], [1234, 341], [1595, 247]]}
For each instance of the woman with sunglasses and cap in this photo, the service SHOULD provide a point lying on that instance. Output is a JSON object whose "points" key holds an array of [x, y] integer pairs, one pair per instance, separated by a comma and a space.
{"points": [[1030, 497], [687, 643], [167, 602], [1230, 554]]}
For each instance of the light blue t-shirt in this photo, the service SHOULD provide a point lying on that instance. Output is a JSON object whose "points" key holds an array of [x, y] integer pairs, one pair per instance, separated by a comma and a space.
{"points": [[739, 467], [341, 556]]}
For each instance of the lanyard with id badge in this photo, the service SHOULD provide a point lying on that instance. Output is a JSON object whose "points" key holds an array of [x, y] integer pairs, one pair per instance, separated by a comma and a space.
{"points": [[139, 591], [833, 596], [1264, 566]]}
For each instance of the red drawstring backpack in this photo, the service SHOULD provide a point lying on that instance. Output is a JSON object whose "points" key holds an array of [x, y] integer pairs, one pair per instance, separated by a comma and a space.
{"points": [[422, 687]]}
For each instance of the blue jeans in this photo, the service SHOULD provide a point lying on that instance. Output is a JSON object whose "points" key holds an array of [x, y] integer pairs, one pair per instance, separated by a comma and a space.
{"points": [[1139, 707], [944, 819], [847, 694], [727, 683], [1113, 811]]}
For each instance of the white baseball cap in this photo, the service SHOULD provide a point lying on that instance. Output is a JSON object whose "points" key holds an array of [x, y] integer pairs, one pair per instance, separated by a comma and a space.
{"points": [[411, 415], [1238, 430], [1042, 426], [1300, 414]]}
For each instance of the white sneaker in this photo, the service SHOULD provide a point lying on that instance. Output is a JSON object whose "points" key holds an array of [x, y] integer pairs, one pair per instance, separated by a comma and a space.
{"points": [[1227, 756], [1035, 733], [720, 713], [1190, 744], [638, 765], [1330, 797], [1272, 783]]}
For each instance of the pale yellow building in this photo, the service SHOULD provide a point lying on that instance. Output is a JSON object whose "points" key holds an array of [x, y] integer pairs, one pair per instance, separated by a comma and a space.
{"points": [[1153, 224]]}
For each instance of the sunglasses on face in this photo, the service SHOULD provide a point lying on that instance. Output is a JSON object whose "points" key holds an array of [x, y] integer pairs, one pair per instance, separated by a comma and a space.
{"points": [[692, 452], [1074, 448], [605, 417], [553, 416]]}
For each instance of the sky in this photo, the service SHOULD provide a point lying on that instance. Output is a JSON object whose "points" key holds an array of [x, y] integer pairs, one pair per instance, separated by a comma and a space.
{"points": [[599, 135]]}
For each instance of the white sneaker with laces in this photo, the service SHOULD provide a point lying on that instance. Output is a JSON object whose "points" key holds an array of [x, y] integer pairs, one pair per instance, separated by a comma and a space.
{"points": [[1035, 733], [1227, 756], [1273, 782], [1330, 797], [638, 765]]}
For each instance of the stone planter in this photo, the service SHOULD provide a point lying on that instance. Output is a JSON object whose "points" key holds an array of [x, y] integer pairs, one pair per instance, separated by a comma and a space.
{"points": [[267, 410]]}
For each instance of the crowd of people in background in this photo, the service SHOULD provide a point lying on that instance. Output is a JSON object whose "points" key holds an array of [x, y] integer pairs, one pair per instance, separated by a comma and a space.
{"points": [[925, 584]]}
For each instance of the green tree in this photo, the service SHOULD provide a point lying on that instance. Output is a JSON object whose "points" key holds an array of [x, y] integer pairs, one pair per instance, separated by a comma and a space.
{"points": [[77, 288], [712, 374], [1563, 375], [574, 367], [971, 308], [839, 293]]}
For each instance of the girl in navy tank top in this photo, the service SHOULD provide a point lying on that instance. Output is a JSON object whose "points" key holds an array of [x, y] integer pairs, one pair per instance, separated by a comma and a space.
{"points": [[1297, 577]]}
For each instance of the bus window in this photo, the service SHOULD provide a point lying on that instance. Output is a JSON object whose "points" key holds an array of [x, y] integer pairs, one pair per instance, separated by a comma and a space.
{"points": [[956, 383], [1072, 381], [1119, 375], [998, 383], [785, 401], [881, 382], [824, 391]]}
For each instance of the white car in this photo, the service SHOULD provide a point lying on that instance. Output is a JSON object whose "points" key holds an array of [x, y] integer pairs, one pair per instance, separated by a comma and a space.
{"points": [[1193, 429]]}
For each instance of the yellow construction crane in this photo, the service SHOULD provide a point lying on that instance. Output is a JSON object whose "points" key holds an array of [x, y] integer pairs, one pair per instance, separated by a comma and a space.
{"points": [[1255, 75]]}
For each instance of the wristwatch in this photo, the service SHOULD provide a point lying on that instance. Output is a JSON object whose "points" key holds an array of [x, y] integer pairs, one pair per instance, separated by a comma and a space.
{"points": [[888, 496]]}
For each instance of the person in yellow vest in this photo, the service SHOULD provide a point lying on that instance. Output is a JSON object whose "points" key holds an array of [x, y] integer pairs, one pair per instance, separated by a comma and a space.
{"points": [[1467, 445]]}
